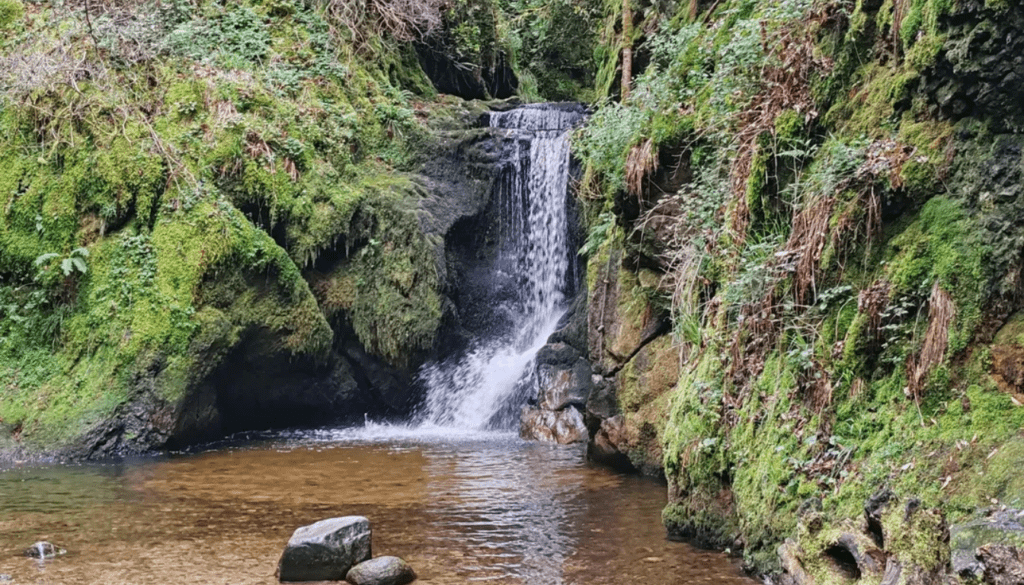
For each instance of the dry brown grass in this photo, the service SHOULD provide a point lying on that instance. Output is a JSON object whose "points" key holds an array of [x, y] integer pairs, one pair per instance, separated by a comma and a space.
{"points": [[941, 312], [786, 85], [404, 20], [641, 162], [872, 301], [808, 238]]}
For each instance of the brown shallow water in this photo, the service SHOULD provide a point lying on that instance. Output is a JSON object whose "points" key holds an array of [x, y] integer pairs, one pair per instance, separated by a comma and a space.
{"points": [[482, 508]]}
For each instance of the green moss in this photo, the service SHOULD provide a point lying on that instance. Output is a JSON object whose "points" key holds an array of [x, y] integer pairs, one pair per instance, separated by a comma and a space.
{"points": [[757, 180], [10, 12], [396, 310], [942, 245], [930, 139], [1012, 332], [174, 173]]}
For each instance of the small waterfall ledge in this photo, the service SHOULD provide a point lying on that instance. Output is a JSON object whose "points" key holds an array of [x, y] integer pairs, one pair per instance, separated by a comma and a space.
{"points": [[489, 386]]}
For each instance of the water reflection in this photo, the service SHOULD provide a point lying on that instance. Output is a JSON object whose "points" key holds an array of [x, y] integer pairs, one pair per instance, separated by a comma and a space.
{"points": [[473, 508], [513, 517]]}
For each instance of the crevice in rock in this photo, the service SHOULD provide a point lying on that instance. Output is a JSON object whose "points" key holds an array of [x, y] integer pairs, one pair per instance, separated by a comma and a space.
{"points": [[653, 331], [875, 532], [843, 561]]}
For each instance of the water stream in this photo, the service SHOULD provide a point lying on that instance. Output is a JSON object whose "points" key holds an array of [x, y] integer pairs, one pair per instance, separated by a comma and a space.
{"points": [[461, 508], [470, 391]]}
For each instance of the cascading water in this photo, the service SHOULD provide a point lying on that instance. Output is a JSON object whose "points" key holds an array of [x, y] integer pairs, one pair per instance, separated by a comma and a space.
{"points": [[472, 391]]}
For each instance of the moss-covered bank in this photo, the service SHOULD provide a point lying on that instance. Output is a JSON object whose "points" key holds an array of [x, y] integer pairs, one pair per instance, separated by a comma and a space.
{"points": [[202, 200], [819, 200]]}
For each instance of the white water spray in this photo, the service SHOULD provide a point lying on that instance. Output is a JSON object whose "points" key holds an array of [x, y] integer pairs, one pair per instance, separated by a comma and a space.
{"points": [[470, 392]]}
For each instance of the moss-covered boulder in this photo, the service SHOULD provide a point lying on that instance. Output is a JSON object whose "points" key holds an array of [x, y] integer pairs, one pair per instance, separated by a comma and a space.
{"points": [[239, 219]]}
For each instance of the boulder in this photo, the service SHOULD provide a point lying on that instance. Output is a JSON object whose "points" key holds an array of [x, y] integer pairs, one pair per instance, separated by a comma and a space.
{"points": [[602, 403], [325, 551], [43, 550], [381, 571], [558, 355], [604, 448], [562, 386], [1004, 565], [562, 426], [985, 546]]}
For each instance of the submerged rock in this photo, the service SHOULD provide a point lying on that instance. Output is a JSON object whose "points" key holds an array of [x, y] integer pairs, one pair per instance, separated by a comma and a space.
{"points": [[562, 426], [381, 571], [325, 551]]}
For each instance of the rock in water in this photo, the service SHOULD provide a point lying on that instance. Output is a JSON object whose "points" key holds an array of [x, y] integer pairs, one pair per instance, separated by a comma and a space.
{"points": [[43, 550], [325, 551], [382, 571], [562, 426]]}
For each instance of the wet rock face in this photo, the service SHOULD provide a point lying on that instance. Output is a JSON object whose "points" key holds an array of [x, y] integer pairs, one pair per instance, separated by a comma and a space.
{"points": [[562, 426], [381, 571], [608, 445], [564, 378], [564, 383], [989, 548], [325, 551], [981, 71]]}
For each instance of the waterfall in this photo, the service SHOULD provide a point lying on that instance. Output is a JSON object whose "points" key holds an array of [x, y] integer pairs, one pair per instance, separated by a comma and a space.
{"points": [[476, 390]]}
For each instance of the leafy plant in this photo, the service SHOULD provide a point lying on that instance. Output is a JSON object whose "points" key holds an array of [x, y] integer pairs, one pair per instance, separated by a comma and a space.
{"points": [[598, 234], [70, 264]]}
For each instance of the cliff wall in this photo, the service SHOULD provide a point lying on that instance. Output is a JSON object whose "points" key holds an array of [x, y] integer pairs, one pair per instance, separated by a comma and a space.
{"points": [[804, 274]]}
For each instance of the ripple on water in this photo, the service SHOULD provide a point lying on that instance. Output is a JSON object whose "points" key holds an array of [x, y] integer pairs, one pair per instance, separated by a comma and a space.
{"points": [[460, 507]]}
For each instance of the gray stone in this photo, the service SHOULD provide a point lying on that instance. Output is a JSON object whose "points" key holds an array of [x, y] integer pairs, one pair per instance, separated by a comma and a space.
{"points": [[325, 551], [1004, 564], [562, 427], [558, 354], [604, 448], [381, 571], [602, 403], [561, 386], [789, 559], [43, 550], [966, 540]]}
